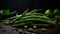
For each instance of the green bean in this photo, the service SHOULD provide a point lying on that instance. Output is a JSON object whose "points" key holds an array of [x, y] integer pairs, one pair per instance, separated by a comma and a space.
{"points": [[35, 16], [34, 11], [14, 17], [34, 19], [20, 16], [24, 14], [17, 25], [28, 14]]}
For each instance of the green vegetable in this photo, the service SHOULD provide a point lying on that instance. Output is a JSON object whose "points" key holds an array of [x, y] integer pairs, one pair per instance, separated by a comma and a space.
{"points": [[56, 12], [32, 19], [25, 26], [18, 25], [48, 13], [43, 29], [34, 26], [30, 29], [6, 12]]}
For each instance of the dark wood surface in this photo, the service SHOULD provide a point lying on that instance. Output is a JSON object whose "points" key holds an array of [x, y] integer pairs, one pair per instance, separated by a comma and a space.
{"points": [[6, 29]]}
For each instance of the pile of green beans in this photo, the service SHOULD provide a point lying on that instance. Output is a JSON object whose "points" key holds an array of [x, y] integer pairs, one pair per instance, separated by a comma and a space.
{"points": [[30, 19]]}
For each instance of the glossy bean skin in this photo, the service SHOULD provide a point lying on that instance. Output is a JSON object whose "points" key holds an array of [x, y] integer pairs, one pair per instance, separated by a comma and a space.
{"points": [[30, 19]]}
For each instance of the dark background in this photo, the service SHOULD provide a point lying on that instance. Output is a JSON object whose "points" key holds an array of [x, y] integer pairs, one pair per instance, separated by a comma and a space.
{"points": [[31, 4], [21, 5]]}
